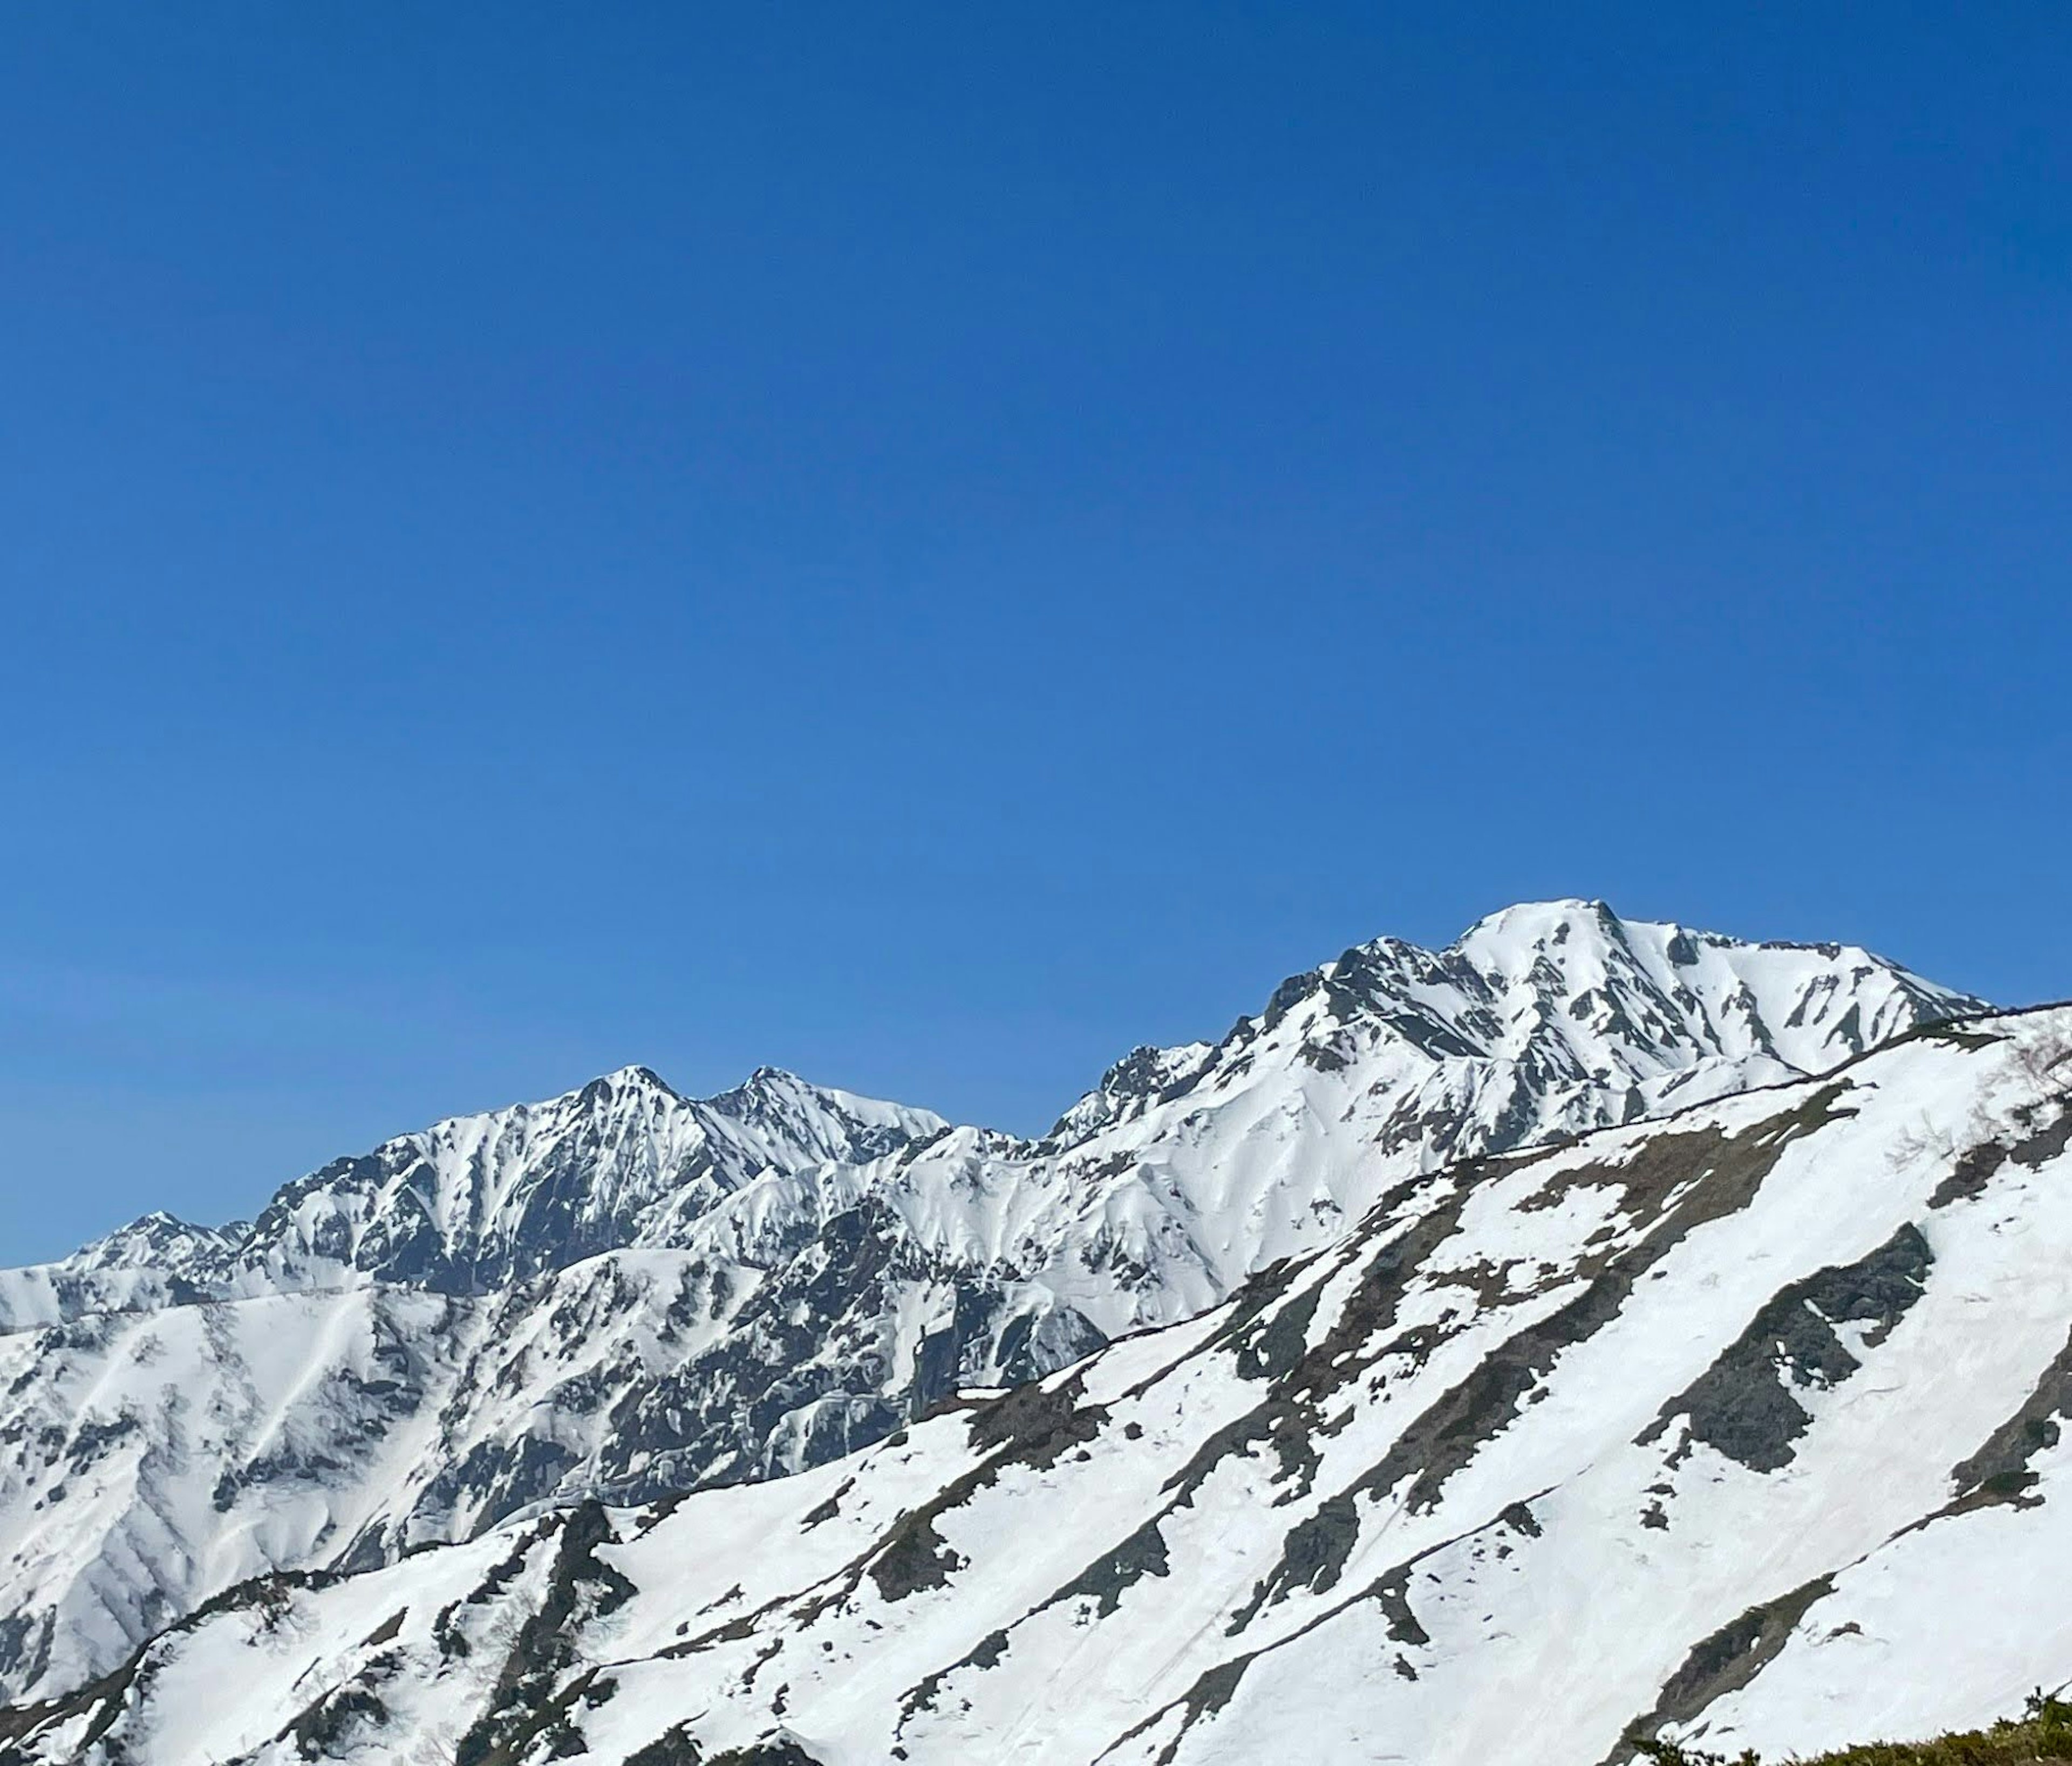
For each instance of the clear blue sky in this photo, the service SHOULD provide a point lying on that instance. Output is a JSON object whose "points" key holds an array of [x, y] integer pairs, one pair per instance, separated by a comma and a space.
{"points": [[927, 545]]}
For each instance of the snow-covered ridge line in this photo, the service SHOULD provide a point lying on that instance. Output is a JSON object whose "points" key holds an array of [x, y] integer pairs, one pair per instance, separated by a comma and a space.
{"points": [[1486, 996], [473, 1203], [623, 1290], [1742, 1427]]}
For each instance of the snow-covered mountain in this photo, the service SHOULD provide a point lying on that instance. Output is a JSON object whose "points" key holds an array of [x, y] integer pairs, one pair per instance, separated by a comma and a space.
{"points": [[480, 1202], [1742, 1427], [624, 1293]]}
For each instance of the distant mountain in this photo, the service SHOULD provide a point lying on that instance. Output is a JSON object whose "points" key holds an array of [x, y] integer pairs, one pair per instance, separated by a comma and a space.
{"points": [[478, 1203], [623, 1293], [1743, 1427]]}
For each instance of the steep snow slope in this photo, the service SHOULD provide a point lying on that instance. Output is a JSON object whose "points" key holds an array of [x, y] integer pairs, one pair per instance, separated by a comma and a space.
{"points": [[623, 1292], [1742, 1427]]}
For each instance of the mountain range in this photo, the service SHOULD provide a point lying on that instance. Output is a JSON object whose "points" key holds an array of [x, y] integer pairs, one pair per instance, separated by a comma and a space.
{"points": [[1302, 1342]]}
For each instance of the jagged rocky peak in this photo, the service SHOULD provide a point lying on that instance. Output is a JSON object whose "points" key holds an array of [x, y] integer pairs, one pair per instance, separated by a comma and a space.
{"points": [[802, 1123], [635, 1078], [480, 1200], [1812, 1005], [1136, 1080], [1550, 999], [475, 1201], [1639, 994], [162, 1240]]}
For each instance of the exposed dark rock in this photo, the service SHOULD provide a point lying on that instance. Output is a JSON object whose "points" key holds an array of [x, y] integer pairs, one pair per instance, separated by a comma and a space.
{"points": [[1999, 1471], [524, 1704], [1743, 1404], [1391, 1594], [774, 1751], [1977, 1165], [1675, 1182], [914, 1557], [319, 1732], [986, 1653], [1141, 1554], [1035, 1424], [674, 1748], [1722, 1663], [1032, 1425]]}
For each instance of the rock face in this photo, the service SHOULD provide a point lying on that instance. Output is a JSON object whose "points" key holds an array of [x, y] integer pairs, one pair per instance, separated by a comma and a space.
{"points": [[1744, 1427], [622, 1294]]}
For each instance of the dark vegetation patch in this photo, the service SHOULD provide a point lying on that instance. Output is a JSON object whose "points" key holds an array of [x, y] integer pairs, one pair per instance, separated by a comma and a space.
{"points": [[1391, 1594], [1211, 1692], [1301, 1378], [914, 1556], [1952, 1030], [1143, 1554], [1030, 1425], [1973, 1170], [1671, 1184], [1390, 1591], [2039, 1141], [319, 1731], [1312, 1556], [1278, 1346], [1290, 1416], [1667, 1161], [106, 1698], [1033, 1426], [2042, 1736], [828, 1509]]}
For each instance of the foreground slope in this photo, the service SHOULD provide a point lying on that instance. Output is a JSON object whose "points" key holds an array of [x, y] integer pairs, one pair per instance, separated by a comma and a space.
{"points": [[623, 1292], [1746, 1426]]}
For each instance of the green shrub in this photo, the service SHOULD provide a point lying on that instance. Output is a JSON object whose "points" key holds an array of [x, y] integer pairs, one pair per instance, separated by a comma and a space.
{"points": [[2043, 1732]]}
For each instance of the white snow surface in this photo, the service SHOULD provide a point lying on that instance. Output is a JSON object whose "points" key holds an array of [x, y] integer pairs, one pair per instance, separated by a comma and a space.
{"points": [[622, 1293]]}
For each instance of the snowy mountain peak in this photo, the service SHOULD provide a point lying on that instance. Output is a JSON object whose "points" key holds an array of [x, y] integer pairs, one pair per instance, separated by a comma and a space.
{"points": [[474, 1202], [800, 1123], [626, 1291], [633, 1080], [1572, 990], [1743, 1429], [159, 1239], [1135, 1080]]}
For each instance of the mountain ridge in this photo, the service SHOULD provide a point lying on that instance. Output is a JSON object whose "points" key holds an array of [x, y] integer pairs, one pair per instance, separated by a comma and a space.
{"points": [[155, 1232], [623, 1291], [1738, 1426]]}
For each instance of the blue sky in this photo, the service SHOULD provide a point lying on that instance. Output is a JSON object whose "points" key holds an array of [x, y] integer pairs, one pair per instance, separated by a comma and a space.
{"points": [[927, 545]]}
